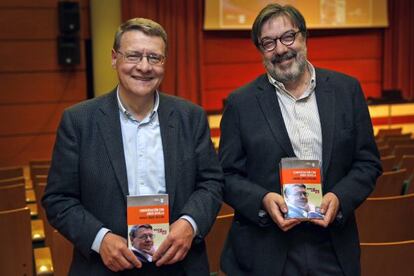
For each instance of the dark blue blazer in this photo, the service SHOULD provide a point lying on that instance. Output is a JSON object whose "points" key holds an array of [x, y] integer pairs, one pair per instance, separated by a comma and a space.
{"points": [[254, 139], [87, 184]]}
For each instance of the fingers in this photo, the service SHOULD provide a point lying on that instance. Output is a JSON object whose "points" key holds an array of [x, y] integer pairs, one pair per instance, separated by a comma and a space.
{"points": [[115, 253], [174, 254], [329, 207], [276, 207], [176, 245], [132, 258]]}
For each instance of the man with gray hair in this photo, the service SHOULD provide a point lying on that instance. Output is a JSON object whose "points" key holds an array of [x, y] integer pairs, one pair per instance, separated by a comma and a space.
{"points": [[134, 140], [294, 110]]}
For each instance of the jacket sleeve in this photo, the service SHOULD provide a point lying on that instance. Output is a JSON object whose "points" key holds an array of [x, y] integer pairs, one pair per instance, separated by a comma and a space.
{"points": [[365, 166], [242, 194], [205, 200], [62, 198]]}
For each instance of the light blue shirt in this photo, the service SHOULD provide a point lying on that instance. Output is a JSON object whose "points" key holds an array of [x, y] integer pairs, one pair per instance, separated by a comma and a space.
{"points": [[143, 152], [144, 158]]}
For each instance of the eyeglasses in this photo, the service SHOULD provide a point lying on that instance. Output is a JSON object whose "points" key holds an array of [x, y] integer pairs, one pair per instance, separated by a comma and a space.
{"points": [[287, 39], [136, 57], [146, 236]]}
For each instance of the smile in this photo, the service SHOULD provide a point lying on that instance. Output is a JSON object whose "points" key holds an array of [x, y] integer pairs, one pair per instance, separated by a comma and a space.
{"points": [[285, 57], [142, 78]]}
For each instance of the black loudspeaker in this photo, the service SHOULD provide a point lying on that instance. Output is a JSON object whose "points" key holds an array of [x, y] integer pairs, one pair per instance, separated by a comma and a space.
{"points": [[68, 50], [69, 19]]}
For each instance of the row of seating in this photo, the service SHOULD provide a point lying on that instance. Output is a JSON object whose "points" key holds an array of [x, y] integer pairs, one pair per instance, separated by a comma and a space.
{"points": [[373, 217], [397, 158], [385, 228], [21, 189]]}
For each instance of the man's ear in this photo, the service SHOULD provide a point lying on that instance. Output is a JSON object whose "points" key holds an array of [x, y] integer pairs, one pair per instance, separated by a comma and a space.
{"points": [[113, 58]]}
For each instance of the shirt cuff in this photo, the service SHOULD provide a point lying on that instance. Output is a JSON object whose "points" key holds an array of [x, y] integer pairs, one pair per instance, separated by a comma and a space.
{"points": [[192, 222], [96, 245]]}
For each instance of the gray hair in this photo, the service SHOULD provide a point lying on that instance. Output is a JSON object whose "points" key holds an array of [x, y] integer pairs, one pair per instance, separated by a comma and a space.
{"points": [[273, 11], [147, 26]]}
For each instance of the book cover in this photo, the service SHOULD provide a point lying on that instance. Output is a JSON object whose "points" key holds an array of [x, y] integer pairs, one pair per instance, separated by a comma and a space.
{"points": [[148, 224], [301, 188]]}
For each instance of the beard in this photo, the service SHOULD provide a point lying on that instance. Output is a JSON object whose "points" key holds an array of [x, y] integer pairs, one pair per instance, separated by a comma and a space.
{"points": [[289, 73]]}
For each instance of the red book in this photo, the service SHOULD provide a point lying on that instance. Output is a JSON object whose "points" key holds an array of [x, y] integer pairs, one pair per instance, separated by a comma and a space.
{"points": [[148, 224], [301, 188]]}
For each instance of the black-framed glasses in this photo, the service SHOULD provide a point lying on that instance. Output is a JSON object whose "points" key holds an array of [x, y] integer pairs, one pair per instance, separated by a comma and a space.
{"points": [[287, 39], [136, 57]]}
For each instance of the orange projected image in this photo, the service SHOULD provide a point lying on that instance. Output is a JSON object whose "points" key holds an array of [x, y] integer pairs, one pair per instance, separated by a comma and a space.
{"points": [[240, 14]]}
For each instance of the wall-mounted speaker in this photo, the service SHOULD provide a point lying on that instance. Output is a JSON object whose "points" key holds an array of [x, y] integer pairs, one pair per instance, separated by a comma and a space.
{"points": [[68, 50], [69, 18]]}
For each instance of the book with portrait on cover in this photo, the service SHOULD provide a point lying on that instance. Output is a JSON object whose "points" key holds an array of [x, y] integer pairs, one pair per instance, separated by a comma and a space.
{"points": [[301, 188], [148, 224]]}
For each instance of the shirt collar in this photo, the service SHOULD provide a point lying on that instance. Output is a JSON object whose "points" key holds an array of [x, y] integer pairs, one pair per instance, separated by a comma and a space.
{"points": [[128, 114], [281, 87]]}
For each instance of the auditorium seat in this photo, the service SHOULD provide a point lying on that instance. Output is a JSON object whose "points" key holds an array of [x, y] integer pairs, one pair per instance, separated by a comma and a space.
{"points": [[388, 131], [12, 181], [16, 245], [407, 162], [40, 189], [225, 210], [390, 183], [400, 150], [39, 162], [215, 240], [402, 136], [387, 259], [11, 172], [386, 219], [380, 143], [12, 197], [385, 150], [399, 141], [39, 178], [43, 261], [388, 162], [62, 251], [38, 230], [38, 170]]}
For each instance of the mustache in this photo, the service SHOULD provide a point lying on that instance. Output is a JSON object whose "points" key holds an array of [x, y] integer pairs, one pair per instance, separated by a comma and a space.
{"points": [[281, 58]]}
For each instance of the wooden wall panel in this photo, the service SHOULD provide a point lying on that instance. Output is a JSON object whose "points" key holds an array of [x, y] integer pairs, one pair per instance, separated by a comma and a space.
{"points": [[39, 23], [18, 150], [32, 56], [36, 3], [36, 118], [35, 88], [31, 23], [42, 87]]}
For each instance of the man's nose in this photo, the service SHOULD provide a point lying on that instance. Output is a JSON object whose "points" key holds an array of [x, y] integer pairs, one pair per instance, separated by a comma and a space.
{"points": [[280, 49], [143, 65]]}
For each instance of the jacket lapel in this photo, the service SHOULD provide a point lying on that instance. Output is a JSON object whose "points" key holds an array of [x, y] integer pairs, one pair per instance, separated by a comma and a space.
{"points": [[326, 107], [169, 132], [271, 110], [110, 128]]}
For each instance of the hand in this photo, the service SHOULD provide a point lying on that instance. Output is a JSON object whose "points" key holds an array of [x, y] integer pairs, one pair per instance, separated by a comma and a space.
{"points": [[329, 207], [275, 206], [116, 255], [175, 247]]}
